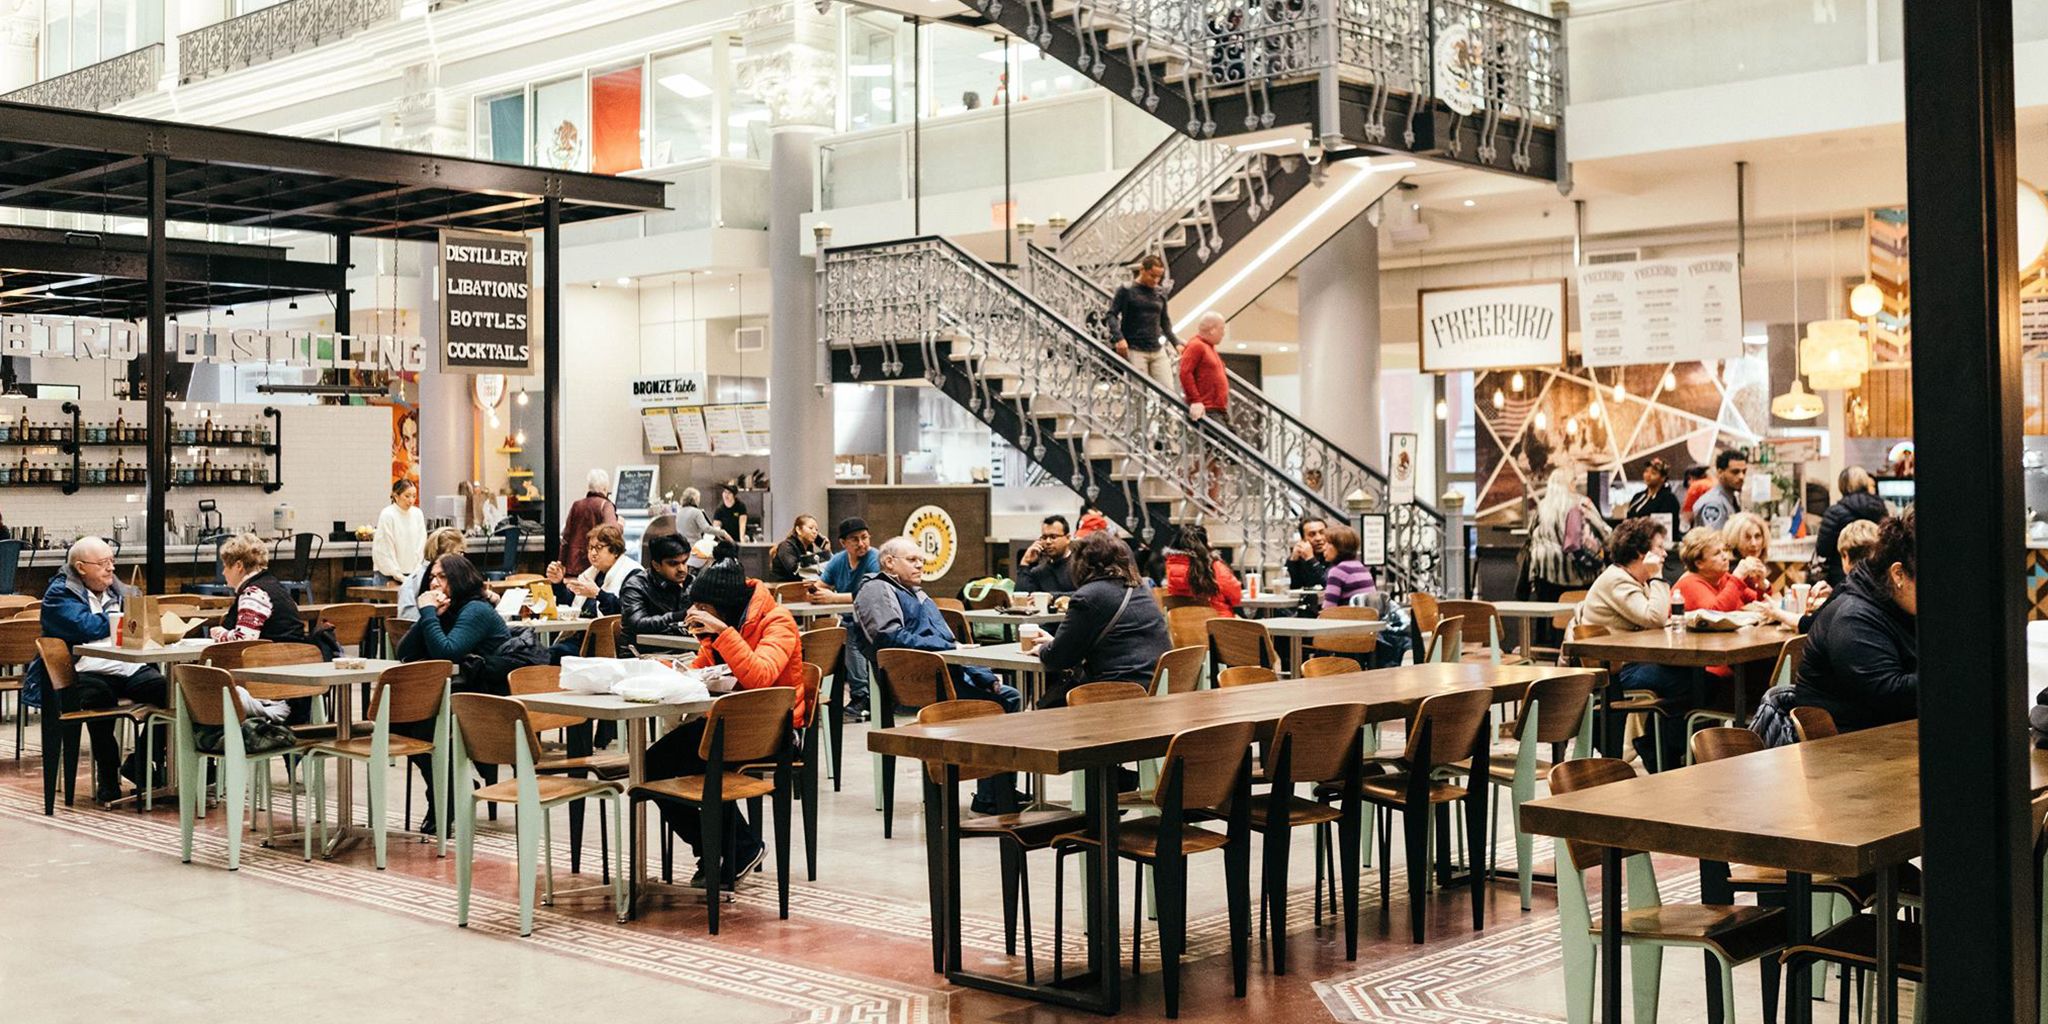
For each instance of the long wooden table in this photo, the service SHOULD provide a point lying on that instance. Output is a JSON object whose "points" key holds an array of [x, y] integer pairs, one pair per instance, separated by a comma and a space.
{"points": [[1737, 650], [1847, 806], [1095, 739]]}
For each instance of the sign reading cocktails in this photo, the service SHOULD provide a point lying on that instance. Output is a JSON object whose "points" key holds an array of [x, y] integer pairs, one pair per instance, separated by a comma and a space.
{"points": [[1492, 326], [485, 282]]}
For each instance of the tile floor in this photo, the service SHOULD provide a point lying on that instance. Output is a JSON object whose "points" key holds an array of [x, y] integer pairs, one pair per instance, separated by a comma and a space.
{"points": [[100, 922]]}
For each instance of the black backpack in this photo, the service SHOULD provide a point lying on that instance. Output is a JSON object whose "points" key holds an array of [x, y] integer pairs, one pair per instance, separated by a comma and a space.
{"points": [[491, 673]]}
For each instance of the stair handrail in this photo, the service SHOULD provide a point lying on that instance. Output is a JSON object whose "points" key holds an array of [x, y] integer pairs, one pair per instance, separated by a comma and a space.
{"points": [[1180, 441], [1090, 236]]}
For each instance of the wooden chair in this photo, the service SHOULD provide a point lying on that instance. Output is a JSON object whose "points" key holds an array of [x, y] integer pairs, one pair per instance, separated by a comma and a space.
{"points": [[207, 698], [1327, 665], [1487, 633], [1315, 744], [1446, 641], [496, 730], [1103, 693], [954, 603], [1784, 669], [1559, 622], [1189, 626], [404, 695], [1245, 675], [11, 603], [1179, 670], [1169, 602], [351, 623], [34, 611], [578, 762], [1445, 730], [601, 640], [274, 655], [227, 654], [805, 764], [956, 620], [1555, 712], [394, 630], [1360, 648], [1237, 642], [1811, 723], [178, 601], [743, 727], [1423, 607], [992, 594], [1632, 704], [789, 593], [825, 648], [17, 650], [1733, 935], [1020, 832], [906, 679], [519, 579], [62, 729], [1206, 776]]}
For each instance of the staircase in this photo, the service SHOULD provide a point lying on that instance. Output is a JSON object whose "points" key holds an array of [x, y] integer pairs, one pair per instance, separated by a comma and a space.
{"points": [[1478, 82], [924, 308]]}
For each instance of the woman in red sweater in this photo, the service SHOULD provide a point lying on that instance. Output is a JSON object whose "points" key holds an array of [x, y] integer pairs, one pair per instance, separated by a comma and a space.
{"points": [[1192, 570], [1708, 585]]}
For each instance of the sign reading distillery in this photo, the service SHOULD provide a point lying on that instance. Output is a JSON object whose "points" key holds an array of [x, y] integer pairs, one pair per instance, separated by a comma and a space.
{"points": [[1492, 326], [485, 281]]}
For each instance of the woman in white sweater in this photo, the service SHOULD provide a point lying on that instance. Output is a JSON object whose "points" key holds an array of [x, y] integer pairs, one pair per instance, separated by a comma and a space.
{"points": [[401, 534], [1631, 594]]}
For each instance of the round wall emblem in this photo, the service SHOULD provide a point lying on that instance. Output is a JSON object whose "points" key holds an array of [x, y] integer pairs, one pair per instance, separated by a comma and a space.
{"points": [[931, 529], [1460, 68]]}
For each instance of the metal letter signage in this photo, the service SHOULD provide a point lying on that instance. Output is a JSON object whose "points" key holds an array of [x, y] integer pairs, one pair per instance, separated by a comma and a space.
{"points": [[485, 282], [1492, 326]]}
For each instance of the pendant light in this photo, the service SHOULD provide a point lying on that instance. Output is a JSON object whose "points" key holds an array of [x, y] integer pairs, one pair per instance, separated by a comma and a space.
{"points": [[1500, 399], [1516, 382], [1796, 403], [1443, 410]]}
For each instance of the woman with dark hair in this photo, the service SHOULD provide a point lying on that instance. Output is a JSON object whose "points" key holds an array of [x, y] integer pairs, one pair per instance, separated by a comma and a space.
{"points": [[1862, 662], [1114, 631], [1631, 594], [457, 619], [804, 550], [1193, 570], [1347, 577], [730, 511], [1859, 504]]}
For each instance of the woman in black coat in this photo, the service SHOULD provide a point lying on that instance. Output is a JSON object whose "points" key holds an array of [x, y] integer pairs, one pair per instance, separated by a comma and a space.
{"points": [[1862, 663], [1859, 501], [1114, 631]]}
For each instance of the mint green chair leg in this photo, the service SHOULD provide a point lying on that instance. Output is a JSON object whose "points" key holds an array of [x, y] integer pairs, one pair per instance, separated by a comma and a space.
{"points": [[189, 794], [1727, 990], [1581, 953], [875, 760], [465, 840], [1646, 960], [621, 890], [1522, 790], [307, 769], [547, 857], [529, 828], [1372, 746], [378, 772], [237, 775], [438, 762]]}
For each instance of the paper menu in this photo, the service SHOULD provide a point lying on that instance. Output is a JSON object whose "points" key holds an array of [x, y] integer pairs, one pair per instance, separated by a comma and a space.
{"points": [[661, 432], [691, 437], [723, 424], [754, 424]]}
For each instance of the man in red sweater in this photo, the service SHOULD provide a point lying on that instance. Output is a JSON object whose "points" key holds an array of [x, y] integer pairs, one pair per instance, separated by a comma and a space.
{"points": [[1202, 377]]}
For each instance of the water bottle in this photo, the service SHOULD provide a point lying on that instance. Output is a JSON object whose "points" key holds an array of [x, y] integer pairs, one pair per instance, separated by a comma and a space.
{"points": [[1677, 621]]}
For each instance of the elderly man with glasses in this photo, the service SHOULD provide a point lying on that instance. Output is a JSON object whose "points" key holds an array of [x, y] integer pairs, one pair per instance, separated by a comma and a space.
{"points": [[75, 610]]}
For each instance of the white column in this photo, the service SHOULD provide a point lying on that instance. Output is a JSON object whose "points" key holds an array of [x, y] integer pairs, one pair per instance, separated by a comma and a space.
{"points": [[20, 24], [790, 65], [1340, 340]]}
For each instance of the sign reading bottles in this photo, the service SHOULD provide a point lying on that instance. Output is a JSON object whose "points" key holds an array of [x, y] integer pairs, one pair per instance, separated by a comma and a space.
{"points": [[485, 282], [1661, 311], [1484, 327]]}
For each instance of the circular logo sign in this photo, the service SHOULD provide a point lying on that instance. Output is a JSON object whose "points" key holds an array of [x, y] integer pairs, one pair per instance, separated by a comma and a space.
{"points": [[487, 390], [931, 529], [1459, 68]]}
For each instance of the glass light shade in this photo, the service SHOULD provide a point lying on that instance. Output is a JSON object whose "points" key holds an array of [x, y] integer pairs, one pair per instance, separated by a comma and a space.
{"points": [[1796, 404], [1834, 354], [1443, 409], [1542, 420], [1866, 299], [1516, 382]]}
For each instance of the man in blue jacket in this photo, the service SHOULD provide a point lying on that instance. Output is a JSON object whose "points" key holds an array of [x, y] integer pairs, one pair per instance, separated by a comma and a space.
{"points": [[855, 564], [891, 610], [75, 611]]}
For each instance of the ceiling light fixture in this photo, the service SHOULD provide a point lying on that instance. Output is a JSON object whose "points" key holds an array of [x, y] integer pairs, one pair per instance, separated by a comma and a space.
{"points": [[1516, 382], [1471, 203], [1670, 381], [686, 85], [1500, 399], [1865, 300]]}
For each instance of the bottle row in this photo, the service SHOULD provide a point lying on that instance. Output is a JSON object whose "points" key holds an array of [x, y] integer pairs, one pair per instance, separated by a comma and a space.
{"points": [[34, 472], [207, 431]]}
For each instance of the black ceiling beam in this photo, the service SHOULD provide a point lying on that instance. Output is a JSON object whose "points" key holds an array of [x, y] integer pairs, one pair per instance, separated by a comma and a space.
{"points": [[61, 181], [186, 266]]}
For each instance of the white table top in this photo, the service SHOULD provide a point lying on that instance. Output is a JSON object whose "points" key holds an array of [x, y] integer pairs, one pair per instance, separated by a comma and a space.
{"points": [[1534, 609], [1296, 625], [998, 656], [608, 707], [668, 641], [319, 673], [987, 616], [812, 609], [1270, 599], [550, 625], [171, 654]]}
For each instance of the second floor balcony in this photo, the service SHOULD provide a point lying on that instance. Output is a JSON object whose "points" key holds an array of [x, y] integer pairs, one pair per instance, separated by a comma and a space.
{"points": [[280, 30], [101, 85]]}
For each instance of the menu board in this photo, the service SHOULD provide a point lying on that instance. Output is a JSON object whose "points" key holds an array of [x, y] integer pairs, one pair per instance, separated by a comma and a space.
{"points": [[485, 281], [754, 424], [723, 423], [661, 432], [633, 486], [1661, 311], [691, 436]]}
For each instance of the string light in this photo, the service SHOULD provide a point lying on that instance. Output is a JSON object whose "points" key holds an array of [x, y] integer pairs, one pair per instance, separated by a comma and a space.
{"points": [[1443, 409], [1542, 420], [1500, 400], [1516, 382], [1670, 381]]}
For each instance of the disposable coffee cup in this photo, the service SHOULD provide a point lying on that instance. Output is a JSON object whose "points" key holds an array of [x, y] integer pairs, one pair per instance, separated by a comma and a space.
{"points": [[1040, 601], [1800, 593], [1028, 636]]}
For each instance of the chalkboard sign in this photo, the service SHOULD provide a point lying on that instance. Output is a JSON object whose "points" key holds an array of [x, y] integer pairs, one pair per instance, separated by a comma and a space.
{"points": [[633, 487], [485, 284]]}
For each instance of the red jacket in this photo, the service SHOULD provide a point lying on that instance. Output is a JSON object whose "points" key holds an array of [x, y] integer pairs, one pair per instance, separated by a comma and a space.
{"points": [[1202, 378], [590, 512], [766, 650], [1228, 593], [1729, 595]]}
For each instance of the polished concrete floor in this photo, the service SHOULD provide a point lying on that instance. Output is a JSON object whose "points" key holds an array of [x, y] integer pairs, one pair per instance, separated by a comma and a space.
{"points": [[101, 922]]}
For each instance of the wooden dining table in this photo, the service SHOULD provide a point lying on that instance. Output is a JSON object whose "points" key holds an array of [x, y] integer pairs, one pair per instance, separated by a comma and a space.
{"points": [[1847, 806], [1095, 739], [1685, 648]]}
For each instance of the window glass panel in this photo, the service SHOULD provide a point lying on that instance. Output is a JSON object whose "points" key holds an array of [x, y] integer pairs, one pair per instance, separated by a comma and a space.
{"points": [[57, 39], [501, 128], [1040, 76], [615, 134], [685, 106], [877, 68], [746, 123], [245, 6], [85, 33], [149, 23], [114, 27], [561, 127], [966, 70]]}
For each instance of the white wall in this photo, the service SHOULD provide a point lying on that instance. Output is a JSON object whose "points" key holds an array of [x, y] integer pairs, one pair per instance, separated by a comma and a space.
{"points": [[600, 427]]}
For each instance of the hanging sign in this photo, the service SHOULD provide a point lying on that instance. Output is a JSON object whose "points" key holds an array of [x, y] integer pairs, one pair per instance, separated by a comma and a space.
{"points": [[1460, 67], [1661, 311], [485, 283], [931, 529], [660, 431], [486, 390], [1401, 469], [1491, 326], [671, 390]]}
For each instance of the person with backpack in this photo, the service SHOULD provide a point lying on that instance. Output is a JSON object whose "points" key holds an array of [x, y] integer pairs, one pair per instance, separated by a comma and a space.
{"points": [[1567, 541]]}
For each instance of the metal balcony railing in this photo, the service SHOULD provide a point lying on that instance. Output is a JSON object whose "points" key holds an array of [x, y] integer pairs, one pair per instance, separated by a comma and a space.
{"points": [[273, 32], [99, 86]]}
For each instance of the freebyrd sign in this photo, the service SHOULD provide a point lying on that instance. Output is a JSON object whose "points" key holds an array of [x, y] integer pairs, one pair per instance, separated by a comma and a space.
{"points": [[1485, 327], [486, 281], [41, 336]]}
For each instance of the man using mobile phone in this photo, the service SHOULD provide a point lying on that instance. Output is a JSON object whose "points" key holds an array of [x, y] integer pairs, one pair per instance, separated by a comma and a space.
{"points": [[1043, 566]]}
